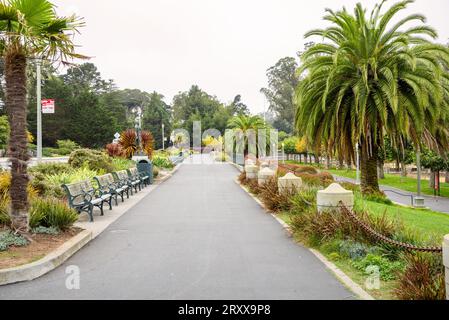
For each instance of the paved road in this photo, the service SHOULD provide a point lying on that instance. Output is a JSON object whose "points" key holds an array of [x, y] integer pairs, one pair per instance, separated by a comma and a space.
{"points": [[440, 204], [197, 236]]}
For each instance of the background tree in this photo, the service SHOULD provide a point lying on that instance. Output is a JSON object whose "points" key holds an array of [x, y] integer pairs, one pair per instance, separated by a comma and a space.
{"points": [[156, 113], [368, 78], [282, 81], [29, 28]]}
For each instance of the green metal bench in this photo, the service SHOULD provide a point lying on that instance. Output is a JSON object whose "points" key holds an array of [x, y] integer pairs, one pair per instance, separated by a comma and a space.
{"points": [[136, 175], [83, 197], [123, 178], [107, 185]]}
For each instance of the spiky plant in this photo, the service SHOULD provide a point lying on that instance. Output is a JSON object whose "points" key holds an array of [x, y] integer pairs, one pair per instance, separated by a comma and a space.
{"points": [[147, 143], [128, 142]]}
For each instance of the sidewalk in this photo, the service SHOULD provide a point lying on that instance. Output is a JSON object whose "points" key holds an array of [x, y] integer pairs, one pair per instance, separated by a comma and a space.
{"points": [[440, 204]]}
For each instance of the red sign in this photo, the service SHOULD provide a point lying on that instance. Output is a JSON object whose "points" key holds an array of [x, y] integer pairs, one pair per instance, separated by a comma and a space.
{"points": [[48, 106]]}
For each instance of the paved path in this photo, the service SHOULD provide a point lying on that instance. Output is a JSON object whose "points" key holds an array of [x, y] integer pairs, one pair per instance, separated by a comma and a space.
{"points": [[440, 204], [197, 236]]}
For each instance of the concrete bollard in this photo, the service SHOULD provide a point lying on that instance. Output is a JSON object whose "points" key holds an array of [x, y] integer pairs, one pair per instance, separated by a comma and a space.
{"points": [[446, 262], [264, 175], [251, 171], [330, 198], [289, 182]]}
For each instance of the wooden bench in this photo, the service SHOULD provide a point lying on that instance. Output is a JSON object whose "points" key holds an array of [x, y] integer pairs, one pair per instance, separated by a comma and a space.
{"points": [[82, 196], [123, 178], [136, 175], [107, 185]]}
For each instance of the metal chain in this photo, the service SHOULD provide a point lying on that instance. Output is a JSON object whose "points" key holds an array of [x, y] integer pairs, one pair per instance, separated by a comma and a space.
{"points": [[382, 238]]}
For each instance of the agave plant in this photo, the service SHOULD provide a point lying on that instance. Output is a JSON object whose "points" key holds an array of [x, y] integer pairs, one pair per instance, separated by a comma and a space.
{"points": [[148, 143], [114, 150], [128, 142]]}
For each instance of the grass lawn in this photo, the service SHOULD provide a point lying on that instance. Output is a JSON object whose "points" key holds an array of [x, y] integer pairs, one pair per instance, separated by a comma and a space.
{"points": [[427, 223], [404, 183]]}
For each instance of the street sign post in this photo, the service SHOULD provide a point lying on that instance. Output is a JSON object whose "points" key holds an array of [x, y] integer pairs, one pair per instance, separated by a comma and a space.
{"points": [[48, 106]]}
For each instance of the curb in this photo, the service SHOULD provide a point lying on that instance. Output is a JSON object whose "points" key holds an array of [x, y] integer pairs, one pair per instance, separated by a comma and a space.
{"points": [[54, 259], [51, 261], [339, 274]]}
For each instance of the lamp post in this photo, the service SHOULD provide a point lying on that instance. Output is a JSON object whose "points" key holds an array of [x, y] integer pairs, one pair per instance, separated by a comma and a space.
{"points": [[419, 200], [39, 109], [163, 137], [138, 127]]}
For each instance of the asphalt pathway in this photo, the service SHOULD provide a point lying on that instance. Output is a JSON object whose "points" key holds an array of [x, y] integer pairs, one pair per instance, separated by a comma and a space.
{"points": [[197, 236]]}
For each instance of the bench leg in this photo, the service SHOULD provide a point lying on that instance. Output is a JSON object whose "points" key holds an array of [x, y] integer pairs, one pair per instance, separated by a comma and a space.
{"points": [[116, 199], [101, 208], [121, 195], [110, 202], [90, 212], [127, 193]]}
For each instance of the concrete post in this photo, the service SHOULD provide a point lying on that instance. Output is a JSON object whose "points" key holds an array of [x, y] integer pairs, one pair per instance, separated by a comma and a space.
{"points": [[446, 262], [329, 199], [251, 171], [264, 175], [289, 182]]}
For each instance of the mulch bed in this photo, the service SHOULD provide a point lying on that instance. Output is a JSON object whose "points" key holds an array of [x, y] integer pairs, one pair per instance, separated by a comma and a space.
{"points": [[42, 245]]}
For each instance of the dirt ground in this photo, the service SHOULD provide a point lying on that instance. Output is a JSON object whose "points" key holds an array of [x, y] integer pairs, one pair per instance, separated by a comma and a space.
{"points": [[42, 245]]}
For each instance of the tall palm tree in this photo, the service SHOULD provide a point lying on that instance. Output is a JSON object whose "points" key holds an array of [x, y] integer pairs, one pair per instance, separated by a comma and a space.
{"points": [[368, 78], [245, 124], [28, 28]]}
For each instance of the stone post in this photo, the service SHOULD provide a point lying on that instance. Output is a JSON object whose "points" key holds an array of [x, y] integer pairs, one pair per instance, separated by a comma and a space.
{"points": [[251, 171], [446, 262], [264, 175], [329, 199], [289, 182]]}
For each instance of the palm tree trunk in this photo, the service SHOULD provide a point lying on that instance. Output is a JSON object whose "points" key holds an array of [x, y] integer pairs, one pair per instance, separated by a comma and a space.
{"points": [[446, 177], [368, 168], [15, 74], [380, 169], [328, 162]]}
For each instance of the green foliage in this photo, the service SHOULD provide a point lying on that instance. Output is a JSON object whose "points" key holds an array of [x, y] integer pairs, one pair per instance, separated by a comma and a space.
{"points": [[92, 159], [70, 177], [53, 213], [156, 113], [9, 239], [53, 231], [389, 270], [119, 164], [362, 75], [282, 81], [290, 145], [51, 168], [423, 278], [356, 250], [162, 162], [435, 162], [4, 132]]}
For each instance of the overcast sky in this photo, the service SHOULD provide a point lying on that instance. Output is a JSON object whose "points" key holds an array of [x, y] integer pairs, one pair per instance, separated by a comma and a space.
{"points": [[224, 46]]}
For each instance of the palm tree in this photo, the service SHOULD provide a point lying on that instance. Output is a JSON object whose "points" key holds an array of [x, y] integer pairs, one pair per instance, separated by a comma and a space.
{"points": [[245, 124], [369, 79], [28, 28]]}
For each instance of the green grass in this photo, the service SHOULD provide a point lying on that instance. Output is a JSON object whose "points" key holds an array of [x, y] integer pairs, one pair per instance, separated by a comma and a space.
{"points": [[427, 223], [403, 183]]}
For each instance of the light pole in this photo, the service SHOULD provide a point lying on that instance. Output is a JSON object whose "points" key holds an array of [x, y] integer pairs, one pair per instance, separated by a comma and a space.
{"points": [[419, 200], [39, 109], [163, 137]]}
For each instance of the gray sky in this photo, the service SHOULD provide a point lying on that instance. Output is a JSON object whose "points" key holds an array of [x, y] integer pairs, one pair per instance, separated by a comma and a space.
{"points": [[224, 46]]}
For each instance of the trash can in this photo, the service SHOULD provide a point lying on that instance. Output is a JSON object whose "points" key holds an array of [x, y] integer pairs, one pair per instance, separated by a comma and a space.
{"points": [[146, 167]]}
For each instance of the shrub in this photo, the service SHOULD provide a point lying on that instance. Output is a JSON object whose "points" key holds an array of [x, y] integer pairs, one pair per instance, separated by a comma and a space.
{"points": [[273, 200], [389, 270], [303, 199], [322, 179], [9, 239], [70, 177], [53, 213], [162, 162], [44, 187], [357, 250], [5, 184], [155, 172], [422, 279], [92, 159], [46, 230], [51, 168], [297, 168], [119, 164], [67, 145], [377, 196], [114, 150]]}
